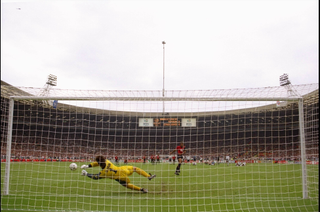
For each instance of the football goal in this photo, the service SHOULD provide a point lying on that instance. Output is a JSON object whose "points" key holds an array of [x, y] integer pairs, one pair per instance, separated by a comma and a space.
{"points": [[241, 149]]}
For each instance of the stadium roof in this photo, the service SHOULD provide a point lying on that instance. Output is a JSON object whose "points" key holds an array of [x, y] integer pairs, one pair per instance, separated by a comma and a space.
{"points": [[310, 93]]}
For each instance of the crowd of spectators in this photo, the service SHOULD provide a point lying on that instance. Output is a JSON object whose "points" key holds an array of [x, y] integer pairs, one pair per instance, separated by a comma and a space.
{"points": [[64, 148], [83, 135]]}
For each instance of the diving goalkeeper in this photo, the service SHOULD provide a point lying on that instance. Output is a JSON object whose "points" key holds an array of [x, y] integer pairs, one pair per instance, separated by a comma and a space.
{"points": [[120, 174]]}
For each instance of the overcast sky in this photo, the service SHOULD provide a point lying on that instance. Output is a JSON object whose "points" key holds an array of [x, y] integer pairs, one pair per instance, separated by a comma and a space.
{"points": [[117, 45]]}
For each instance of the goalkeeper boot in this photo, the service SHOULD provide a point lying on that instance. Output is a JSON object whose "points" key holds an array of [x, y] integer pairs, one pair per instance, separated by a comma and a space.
{"points": [[144, 190], [177, 172], [151, 176], [84, 173]]}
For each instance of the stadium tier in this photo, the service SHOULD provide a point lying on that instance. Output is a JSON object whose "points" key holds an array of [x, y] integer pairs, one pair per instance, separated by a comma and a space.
{"points": [[244, 151]]}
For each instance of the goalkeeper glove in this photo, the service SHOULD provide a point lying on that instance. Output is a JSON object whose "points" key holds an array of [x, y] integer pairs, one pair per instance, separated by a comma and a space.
{"points": [[84, 166], [84, 173]]}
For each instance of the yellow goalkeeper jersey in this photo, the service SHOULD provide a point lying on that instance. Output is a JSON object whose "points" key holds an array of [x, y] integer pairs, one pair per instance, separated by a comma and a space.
{"points": [[114, 172]]}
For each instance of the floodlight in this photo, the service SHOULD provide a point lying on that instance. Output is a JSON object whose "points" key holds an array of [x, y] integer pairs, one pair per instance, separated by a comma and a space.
{"points": [[284, 80], [52, 80]]}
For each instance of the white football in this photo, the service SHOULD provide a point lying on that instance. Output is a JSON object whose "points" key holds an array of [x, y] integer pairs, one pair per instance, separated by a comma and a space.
{"points": [[194, 163], [73, 166]]}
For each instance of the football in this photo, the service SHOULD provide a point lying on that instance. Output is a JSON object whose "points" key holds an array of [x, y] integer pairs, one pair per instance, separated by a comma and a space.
{"points": [[73, 166], [194, 163]]}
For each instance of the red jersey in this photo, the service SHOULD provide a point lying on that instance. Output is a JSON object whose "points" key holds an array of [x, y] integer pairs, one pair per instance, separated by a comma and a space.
{"points": [[180, 150]]}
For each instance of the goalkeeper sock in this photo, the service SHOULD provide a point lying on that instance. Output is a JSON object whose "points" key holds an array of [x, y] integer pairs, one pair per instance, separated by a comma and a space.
{"points": [[141, 172], [133, 187]]}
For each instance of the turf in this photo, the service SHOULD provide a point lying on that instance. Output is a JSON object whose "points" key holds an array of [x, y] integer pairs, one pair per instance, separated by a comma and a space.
{"points": [[51, 186]]}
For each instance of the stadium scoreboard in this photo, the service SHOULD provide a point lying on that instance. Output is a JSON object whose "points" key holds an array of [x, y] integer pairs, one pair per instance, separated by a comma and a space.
{"points": [[167, 122]]}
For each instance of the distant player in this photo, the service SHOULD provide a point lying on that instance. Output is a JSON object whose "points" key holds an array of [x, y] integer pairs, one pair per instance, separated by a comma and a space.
{"points": [[116, 159], [227, 159], [180, 152], [144, 159], [207, 161], [188, 159], [152, 159], [158, 159], [200, 160], [239, 163], [173, 159], [120, 174]]}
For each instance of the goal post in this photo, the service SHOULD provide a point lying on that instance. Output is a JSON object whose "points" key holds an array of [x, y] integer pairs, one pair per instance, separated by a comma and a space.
{"points": [[303, 150], [243, 151], [8, 155]]}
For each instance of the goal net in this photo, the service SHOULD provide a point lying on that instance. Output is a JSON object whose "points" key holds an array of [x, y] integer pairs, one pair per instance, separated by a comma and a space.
{"points": [[246, 149]]}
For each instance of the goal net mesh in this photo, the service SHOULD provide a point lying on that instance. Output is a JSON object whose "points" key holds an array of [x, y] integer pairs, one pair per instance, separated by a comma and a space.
{"points": [[243, 149]]}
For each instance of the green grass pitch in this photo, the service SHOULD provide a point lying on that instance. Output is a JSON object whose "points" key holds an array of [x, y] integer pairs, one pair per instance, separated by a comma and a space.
{"points": [[51, 186]]}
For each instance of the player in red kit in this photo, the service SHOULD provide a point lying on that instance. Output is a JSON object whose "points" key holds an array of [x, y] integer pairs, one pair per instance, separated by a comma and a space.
{"points": [[173, 159], [180, 152], [152, 159], [116, 159]]}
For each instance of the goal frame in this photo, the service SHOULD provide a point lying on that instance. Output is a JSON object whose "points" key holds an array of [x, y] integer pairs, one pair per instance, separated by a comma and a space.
{"points": [[163, 99]]}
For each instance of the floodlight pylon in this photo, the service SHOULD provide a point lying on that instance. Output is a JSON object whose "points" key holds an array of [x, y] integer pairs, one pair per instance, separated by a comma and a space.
{"points": [[285, 82], [45, 92]]}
